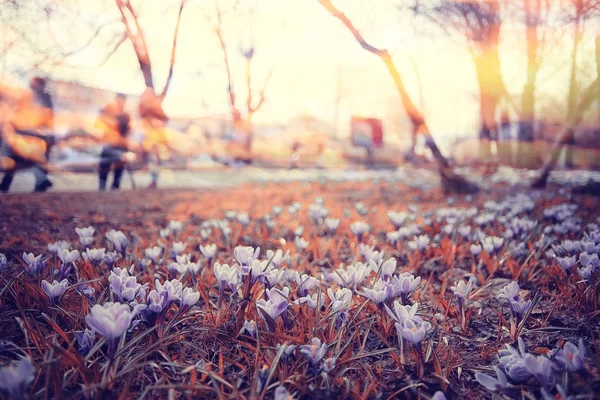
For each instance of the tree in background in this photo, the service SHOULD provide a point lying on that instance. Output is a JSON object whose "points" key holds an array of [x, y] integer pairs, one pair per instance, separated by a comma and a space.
{"points": [[241, 112], [451, 182]]}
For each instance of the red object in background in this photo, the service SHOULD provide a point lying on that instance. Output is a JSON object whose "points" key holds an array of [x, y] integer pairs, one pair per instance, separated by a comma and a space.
{"points": [[366, 132]]}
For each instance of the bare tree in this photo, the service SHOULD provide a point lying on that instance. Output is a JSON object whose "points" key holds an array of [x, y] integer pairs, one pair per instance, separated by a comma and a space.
{"points": [[589, 95], [450, 180], [135, 34], [255, 98]]}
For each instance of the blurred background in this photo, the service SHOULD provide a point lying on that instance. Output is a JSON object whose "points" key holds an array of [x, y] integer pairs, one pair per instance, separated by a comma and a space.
{"points": [[293, 84]]}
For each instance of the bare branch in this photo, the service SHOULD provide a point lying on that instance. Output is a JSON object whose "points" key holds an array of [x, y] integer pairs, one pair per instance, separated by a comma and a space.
{"points": [[173, 49], [114, 49], [253, 109]]}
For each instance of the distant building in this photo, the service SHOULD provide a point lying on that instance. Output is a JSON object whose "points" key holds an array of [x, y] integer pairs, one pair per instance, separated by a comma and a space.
{"points": [[78, 98]]}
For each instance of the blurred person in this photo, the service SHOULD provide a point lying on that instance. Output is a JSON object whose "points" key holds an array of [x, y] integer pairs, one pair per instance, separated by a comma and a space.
{"points": [[114, 125], [28, 118], [294, 154], [154, 121]]}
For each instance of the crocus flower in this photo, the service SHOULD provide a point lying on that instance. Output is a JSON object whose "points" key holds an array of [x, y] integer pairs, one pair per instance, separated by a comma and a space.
{"points": [[209, 251], [85, 341], [55, 289], [566, 262], [276, 258], [243, 218], [462, 290], [118, 240], [299, 231], [340, 299], [205, 233], [178, 248], [68, 258], [189, 297], [540, 367], [475, 249], [402, 313], [3, 262], [378, 294], [317, 212], [413, 330], [393, 237], [386, 269], [175, 226], [491, 383], [571, 357], [250, 327], [123, 286], [272, 276], [313, 301], [300, 243], [226, 275], [329, 364], [281, 393], [332, 224], [464, 231], [86, 290], [511, 291], [15, 378], [154, 253], [359, 228], [403, 285], [173, 288], [511, 361], [86, 235], [61, 244], [110, 320], [315, 351], [273, 307], [35, 264], [305, 283], [94, 255], [419, 243], [397, 218], [244, 255], [110, 258], [439, 395]]}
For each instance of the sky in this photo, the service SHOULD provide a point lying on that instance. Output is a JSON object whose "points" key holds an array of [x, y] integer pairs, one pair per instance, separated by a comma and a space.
{"points": [[314, 58]]}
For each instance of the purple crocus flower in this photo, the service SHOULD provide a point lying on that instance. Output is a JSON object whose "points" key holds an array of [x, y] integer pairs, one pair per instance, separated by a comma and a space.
{"points": [[173, 288], [56, 246], [250, 327], [209, 251], [15, 378], [566, 262], [154, 253], [85, 341], [439, 395], [244, 255], [110, 320], [571, 357], [378, 294], [94, 255], [511, 361], [35, 264], [55, 289], [403, 285], [413, 330], [305, 283], [332, 224], [273, 307], [475, 249], [189, 297], [491, 383], [540, 367], [118, 240], [359, 228], [315, 351], [419, 243], [397, 218], [86, 235], [110, 258], [123, 286]]}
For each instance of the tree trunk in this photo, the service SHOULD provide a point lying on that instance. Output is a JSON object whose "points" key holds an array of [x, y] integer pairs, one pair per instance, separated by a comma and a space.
{"points": [[527, 118], [573, 92]]}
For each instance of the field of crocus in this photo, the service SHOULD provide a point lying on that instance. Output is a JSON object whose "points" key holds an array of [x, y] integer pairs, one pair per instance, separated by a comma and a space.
{"points": [[373, 289]]}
